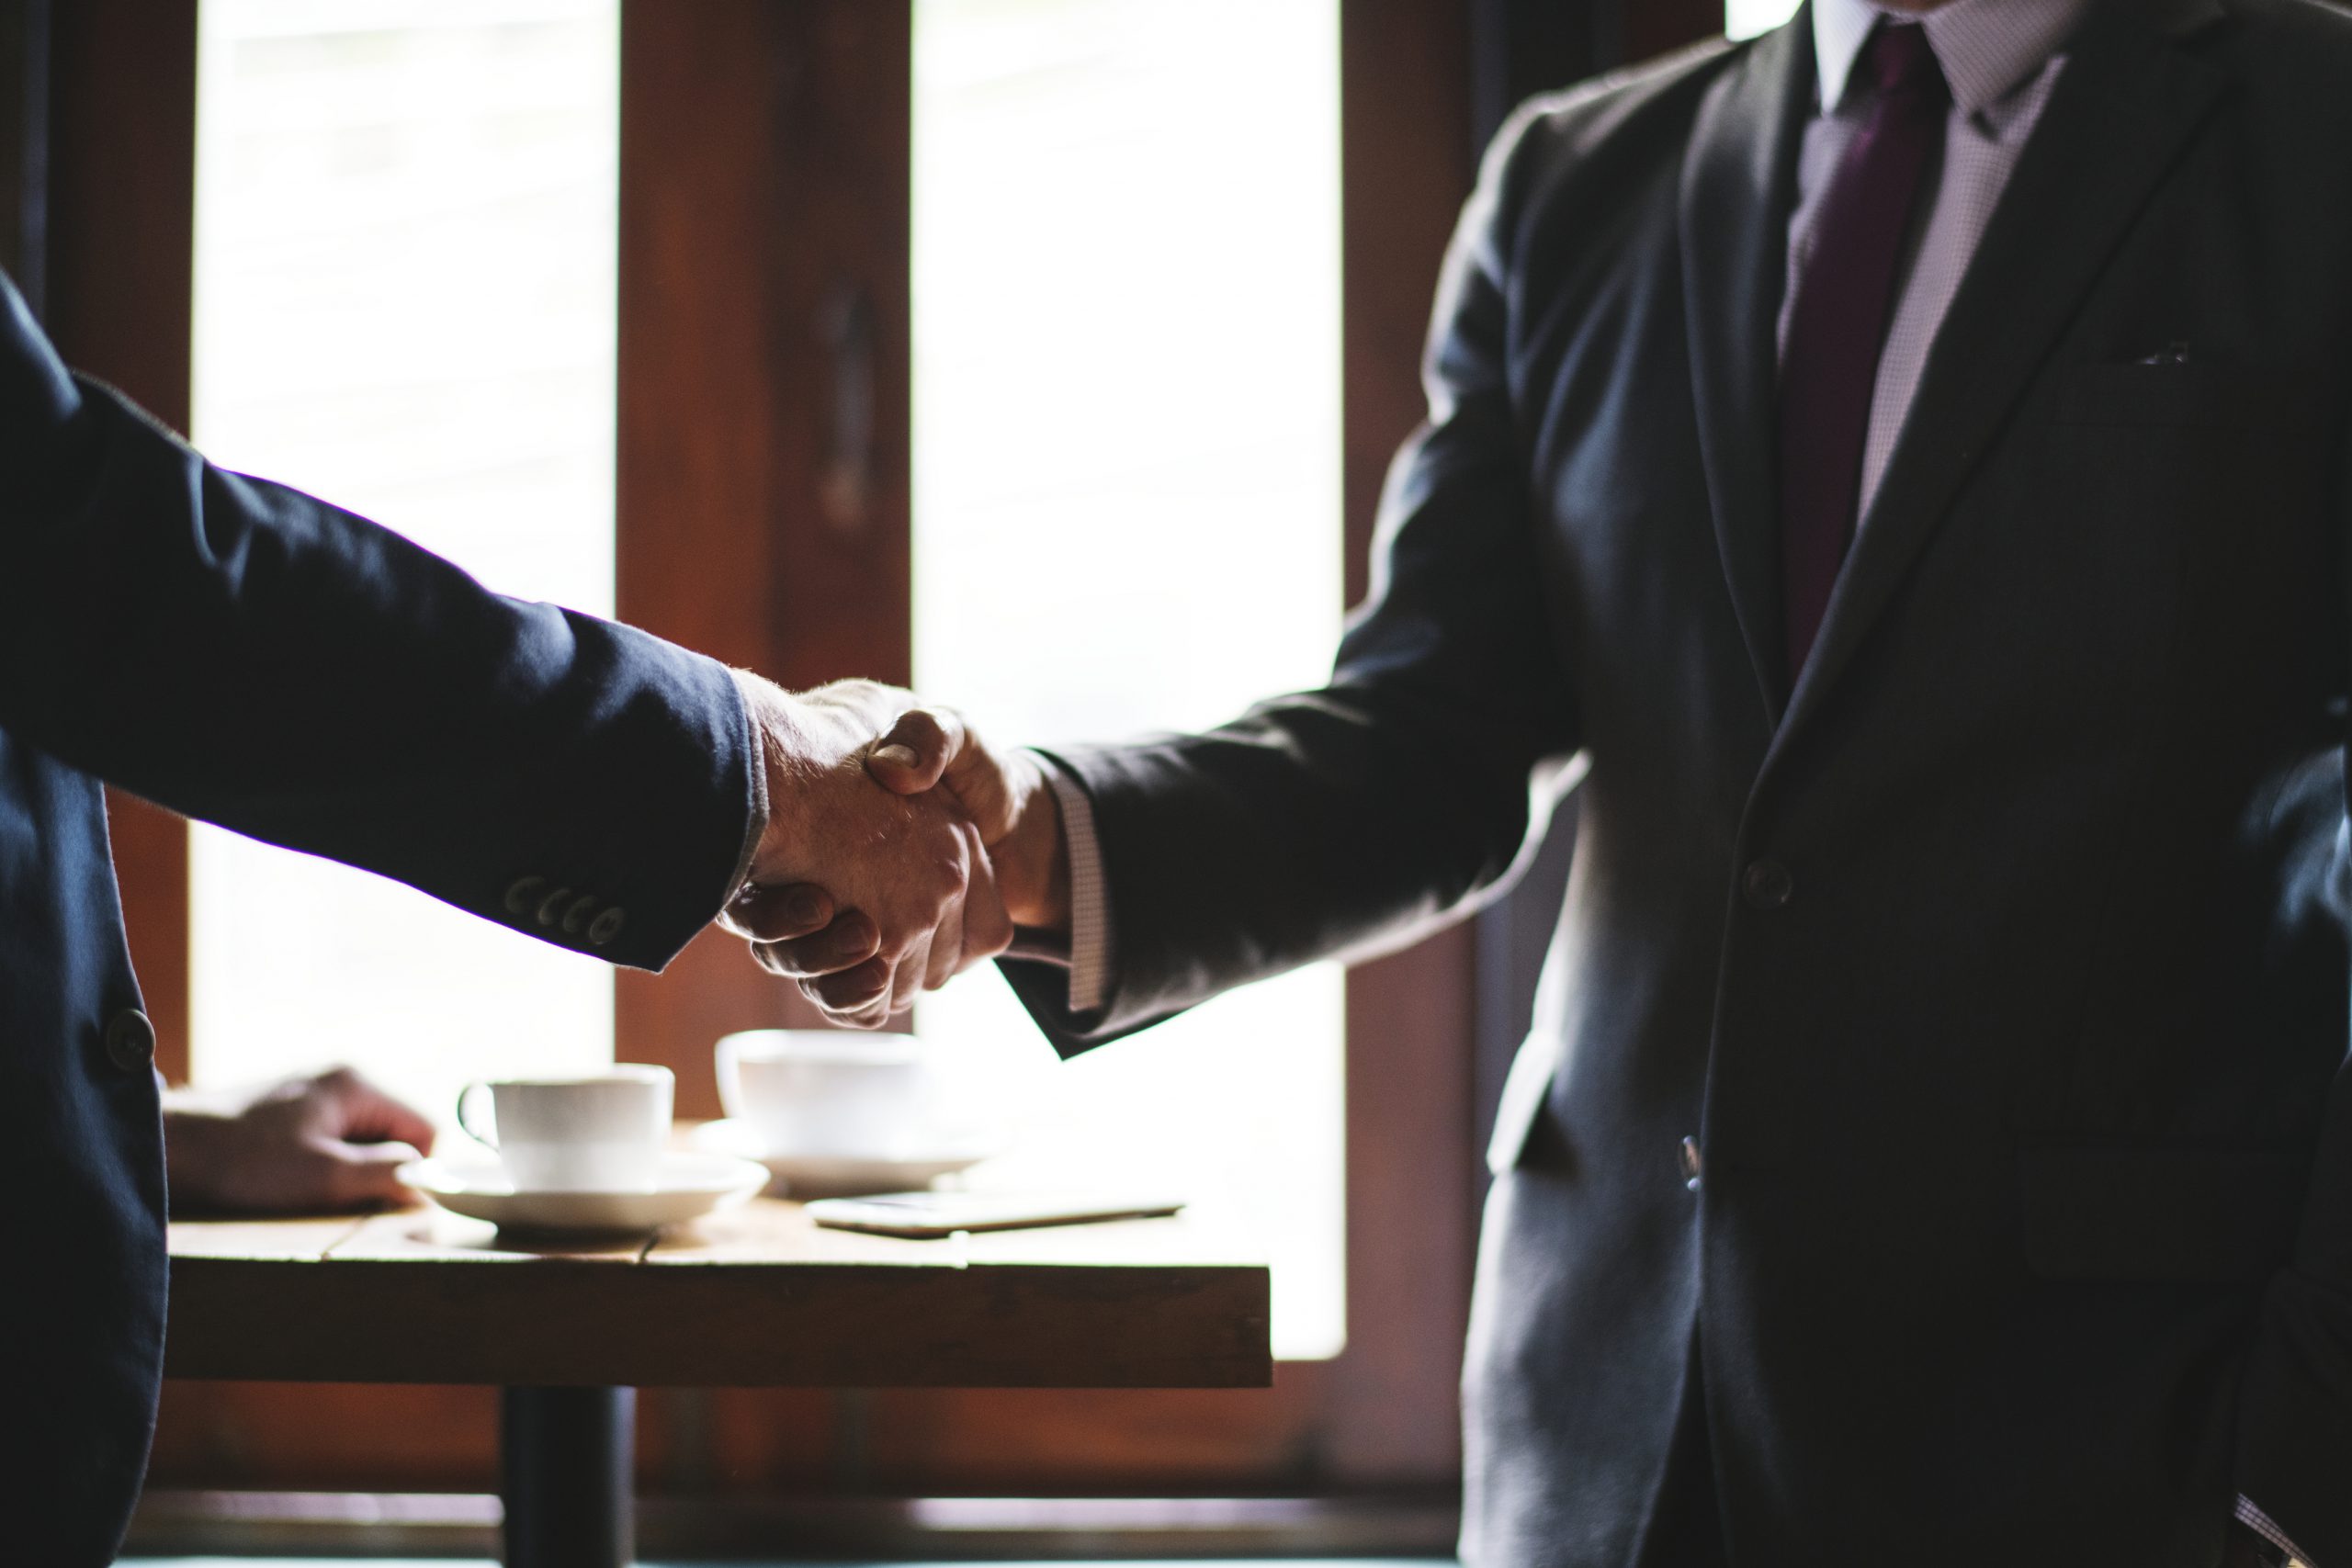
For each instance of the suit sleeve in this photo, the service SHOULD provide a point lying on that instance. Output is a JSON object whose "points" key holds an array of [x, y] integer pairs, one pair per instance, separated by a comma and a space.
{"points": [[2295, 1414], [242, 652], [1347, 820]]}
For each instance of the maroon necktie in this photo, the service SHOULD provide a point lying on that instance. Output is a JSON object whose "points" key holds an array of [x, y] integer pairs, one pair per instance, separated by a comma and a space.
{"points": [[1829, 366]]}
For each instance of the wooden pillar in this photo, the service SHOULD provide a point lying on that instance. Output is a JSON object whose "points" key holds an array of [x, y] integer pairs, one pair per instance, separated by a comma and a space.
{"points": [[121, 219], [763, 458]]}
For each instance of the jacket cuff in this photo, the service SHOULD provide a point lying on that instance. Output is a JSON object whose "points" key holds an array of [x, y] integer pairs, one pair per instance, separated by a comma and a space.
{"points": [[2261, 1524], [2295, 1423]]}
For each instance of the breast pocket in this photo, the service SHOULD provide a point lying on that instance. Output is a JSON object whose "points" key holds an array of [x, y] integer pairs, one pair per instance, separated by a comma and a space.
{"points": [[2193, 505], [2189, 394]]}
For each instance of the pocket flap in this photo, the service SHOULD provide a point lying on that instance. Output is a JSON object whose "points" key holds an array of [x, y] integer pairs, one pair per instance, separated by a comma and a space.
{"points": [[2226, 396], [2109, 1212]]}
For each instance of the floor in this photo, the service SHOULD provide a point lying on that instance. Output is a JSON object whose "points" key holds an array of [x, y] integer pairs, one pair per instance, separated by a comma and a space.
{"points": [[462, 1563]]}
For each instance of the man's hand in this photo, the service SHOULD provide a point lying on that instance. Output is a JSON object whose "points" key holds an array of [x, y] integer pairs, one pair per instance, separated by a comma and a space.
{"points": [[1004, 793], [912, 874], [306, 1145], [1010, 805]]}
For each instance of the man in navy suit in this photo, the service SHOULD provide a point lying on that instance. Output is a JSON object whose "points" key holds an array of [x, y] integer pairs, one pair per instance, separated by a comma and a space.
{"points": [[1899, 465], [244, 653]]}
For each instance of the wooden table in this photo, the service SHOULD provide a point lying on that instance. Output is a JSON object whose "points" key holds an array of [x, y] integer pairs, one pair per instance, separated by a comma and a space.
{"points": [[756, 1298]]}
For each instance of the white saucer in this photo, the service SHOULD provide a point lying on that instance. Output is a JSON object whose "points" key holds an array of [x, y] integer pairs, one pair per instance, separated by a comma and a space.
{"points": [[849, 1176], [687, 1186]]}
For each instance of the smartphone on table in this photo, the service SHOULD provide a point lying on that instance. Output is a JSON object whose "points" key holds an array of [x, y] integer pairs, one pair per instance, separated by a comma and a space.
{"points": [[930, 1216]]}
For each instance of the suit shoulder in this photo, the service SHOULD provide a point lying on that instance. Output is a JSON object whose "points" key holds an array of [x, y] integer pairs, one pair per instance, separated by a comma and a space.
{"points": [[2292, 59], [2286, 40], [2325, 24], [1627, 116], [1570, 120]]}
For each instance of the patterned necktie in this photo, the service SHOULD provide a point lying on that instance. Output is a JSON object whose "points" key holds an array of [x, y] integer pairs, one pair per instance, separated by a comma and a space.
{"points": [[1829, 366]]}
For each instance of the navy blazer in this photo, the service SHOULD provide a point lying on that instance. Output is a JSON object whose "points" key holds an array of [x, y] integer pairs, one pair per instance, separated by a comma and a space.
{"points": [[1995, 971], [242, 652]]}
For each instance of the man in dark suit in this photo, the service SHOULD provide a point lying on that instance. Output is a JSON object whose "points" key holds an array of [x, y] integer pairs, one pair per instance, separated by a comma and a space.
{"points": [[1901, 462], [247, 654]]}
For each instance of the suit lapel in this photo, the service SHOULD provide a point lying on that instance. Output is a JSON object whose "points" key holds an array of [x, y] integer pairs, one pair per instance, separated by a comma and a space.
{"points": [[1738, 184], [2128, 101]]}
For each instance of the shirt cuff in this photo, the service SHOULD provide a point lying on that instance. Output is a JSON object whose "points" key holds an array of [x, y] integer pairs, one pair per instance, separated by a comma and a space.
{"points": [[1091, 951], [755, 826], [2261, 1524]]}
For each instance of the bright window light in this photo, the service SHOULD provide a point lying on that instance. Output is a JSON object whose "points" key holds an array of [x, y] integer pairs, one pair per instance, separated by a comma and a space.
{"points": [[404, 302], [1127, 390], [1745, 19]]}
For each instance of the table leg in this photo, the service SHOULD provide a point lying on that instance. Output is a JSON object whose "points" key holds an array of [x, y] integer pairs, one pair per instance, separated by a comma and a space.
{"points": [[567, 1454]]}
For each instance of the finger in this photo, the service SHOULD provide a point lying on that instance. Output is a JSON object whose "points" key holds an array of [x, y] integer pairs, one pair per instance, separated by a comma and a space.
{"points": [[986, 786], [955, 935], [782, 913], [364, 1173], [869, 1015], [360, 1111], [940, 962], [917, 751], [906, 979], [848, 941], [987, 929], [852, 990]]}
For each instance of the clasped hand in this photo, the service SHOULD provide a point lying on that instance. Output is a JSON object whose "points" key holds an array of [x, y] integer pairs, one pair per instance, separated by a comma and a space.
{"points": [[900, 849]]}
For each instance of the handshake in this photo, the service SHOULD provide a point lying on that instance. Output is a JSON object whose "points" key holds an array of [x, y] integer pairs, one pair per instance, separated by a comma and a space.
{"points": [[898, 849]]}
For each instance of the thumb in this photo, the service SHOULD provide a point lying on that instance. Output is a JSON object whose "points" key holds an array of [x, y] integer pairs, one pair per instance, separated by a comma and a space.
{"points": [[365, 1173], [918, 750]]}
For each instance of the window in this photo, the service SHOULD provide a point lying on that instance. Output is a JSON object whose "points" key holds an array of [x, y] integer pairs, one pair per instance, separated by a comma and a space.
{"points": [[1745, 19], [1126, 515], [404, 300]]}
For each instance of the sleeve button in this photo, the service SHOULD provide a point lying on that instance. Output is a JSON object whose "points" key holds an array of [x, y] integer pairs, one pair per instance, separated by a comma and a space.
{"points": [[575, 920], [131, 1041], [523, 893], [607, 926], [551, 907]]}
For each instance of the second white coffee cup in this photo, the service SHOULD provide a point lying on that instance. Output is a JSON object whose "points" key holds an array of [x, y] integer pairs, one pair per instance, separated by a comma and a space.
{"points": [[601, 1132], [826, 1092]]}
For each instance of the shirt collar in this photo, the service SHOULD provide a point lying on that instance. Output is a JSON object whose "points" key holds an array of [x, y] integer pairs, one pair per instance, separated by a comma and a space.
{"points": [[1986, 47]]}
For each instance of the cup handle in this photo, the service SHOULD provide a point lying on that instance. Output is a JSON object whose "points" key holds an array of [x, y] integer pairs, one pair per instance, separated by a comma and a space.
{"points": [[466, 1097]]}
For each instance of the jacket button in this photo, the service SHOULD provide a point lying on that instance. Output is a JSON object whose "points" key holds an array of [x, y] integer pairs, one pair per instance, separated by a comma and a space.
{"points": [[607, 926], [1692, 1166], [575, 920], [551, 907], [523, 893], [131, 1041], [1767, 884]]}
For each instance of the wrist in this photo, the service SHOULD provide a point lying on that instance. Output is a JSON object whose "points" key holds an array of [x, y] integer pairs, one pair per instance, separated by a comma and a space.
{"points": [[191, 1154], [788, 764]]}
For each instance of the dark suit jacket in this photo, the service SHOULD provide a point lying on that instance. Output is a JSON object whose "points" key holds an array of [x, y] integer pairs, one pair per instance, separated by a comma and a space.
{"points": [[1999, 967], [244, 653]]}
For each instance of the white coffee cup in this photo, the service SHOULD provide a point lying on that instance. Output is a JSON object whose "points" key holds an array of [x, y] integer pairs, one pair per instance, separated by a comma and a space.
{"points": [[824, 1091], [601, 1132]]}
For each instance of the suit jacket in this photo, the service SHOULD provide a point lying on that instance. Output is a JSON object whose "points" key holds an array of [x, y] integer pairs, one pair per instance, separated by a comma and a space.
{"points": [[244, 653], [1998, 969]]}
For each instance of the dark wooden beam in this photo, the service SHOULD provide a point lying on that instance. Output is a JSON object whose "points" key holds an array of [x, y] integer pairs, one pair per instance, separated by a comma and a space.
{"points": [[1406, 165], [24, 146], [120, 207], [762, 421]]}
